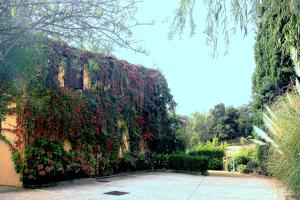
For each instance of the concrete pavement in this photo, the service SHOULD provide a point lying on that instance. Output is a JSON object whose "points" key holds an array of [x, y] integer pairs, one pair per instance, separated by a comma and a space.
{"points": [[158, 185]]}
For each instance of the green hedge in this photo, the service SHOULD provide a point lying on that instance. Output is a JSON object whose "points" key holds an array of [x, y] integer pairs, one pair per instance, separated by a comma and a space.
{"points": [[262, 153], [179, 161], [188, 162], [215, 157]]}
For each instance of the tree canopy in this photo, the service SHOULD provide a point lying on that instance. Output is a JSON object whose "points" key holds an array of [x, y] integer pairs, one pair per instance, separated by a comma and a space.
{"points": [[221, 122], [274, 68], [223, 18], [84, 23]]}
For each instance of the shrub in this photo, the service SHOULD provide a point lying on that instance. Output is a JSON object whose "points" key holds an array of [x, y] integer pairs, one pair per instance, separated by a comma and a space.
{"points": [[17, 160], [142, 162], [210, 153], [213, 150], [126, 163], [188, 162], [262, 152], [215, 163], [159, 161], [215, 157], [244, 160], [243, 169], [284, 161], [47, 161]]}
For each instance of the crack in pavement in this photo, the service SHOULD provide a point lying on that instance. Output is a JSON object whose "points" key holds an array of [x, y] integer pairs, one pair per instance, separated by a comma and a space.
{"points": [[196, 188]]}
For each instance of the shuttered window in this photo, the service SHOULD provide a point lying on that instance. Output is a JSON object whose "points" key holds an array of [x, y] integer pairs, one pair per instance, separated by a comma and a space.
{"points": [[73, 76]]}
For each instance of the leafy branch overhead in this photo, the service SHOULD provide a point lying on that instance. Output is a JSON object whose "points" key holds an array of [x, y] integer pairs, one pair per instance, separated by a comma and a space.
{"points": [[223, 18], [84, 23]]}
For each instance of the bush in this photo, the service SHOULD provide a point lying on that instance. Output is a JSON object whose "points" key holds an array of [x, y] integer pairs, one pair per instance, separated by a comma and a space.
{"points": [[188, 162], [215, 157], [244, 160], [262, 152], [126, 163], [17, 160], [47, 161], [243, 169], [159, 161], [214, 151], [142, 163], [215, 163], [210, 153], [284, 161]]}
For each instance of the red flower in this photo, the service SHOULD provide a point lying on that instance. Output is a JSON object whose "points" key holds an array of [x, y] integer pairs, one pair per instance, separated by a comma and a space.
{"points": [[147, 135], [78, 109]]}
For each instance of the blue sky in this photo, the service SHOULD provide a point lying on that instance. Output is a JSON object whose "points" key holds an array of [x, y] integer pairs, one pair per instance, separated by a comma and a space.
{"points": [[196, 79]]}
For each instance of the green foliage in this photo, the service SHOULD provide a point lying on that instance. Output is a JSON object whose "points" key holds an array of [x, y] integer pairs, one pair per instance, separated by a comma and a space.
{"points": [[213, 150], [243, 169], [188, 162], [17, 160], [7, 89], [274, 69], [221, 122], [284, 161], [178, 161], [46, 161], [126, 163], [222, 17], [93, 65], [175, 138], [262, 153], [128, 100], [142, 162], [159, 161], [245, 160]]}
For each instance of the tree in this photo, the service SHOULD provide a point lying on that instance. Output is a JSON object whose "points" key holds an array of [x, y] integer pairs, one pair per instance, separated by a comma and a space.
{"points": [[91, 24], [218, 127], [231, 122], [199, 128], [274, 68], [222, 17], [218, 21], [245, 120], [221, 122], [7, 90], [84, 23], [278, 31]]}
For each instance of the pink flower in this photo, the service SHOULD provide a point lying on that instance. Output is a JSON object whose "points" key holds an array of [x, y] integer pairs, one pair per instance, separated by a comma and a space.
{"points": [[48, 169], [42, 173], [85, 168], [40, 167]]}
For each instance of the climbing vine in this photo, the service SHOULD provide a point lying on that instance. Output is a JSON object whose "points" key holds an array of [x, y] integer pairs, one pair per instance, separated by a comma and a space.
{"points": [[121, 101]]}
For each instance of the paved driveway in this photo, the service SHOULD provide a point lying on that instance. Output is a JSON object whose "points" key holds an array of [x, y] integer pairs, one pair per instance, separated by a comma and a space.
{"points": [[157, 185]]}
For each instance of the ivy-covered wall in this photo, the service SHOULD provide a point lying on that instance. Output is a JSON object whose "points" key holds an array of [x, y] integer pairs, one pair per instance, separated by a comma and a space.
{"points": [[94, 102]]}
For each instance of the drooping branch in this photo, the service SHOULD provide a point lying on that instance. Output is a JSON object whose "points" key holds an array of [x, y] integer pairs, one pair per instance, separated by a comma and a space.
{"points": [[222, 19], [84, 23]]}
